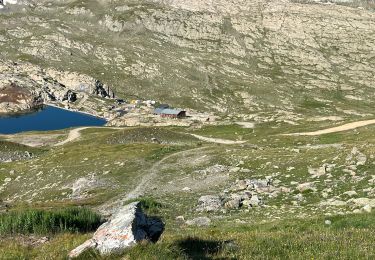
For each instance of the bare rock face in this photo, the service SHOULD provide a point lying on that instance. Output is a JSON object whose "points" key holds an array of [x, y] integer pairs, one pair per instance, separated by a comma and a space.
{"points": [[24, 86], [125, 228], [14, 98]]}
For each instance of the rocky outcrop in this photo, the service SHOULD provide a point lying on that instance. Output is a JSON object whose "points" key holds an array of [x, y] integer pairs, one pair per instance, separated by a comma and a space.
{"points": [[5, 2], [102, 91], [9, 156], [126, 228], [14, 98], [24, 86]]}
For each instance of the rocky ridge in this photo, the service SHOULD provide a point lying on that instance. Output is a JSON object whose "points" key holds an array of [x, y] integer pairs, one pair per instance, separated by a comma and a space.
{"points": [[229, 56]]}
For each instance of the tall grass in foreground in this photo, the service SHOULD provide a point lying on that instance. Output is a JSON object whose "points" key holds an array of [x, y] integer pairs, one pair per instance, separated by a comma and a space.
{"points": [[49, 222]]}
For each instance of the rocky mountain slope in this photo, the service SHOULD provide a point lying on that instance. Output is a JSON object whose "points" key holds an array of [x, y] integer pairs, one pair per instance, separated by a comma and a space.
{"points": [[232, 57]]}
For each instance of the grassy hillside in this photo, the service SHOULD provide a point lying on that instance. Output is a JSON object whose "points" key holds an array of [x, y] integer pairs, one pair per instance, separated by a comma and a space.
{"points": [[275, 67], [105, 165]]}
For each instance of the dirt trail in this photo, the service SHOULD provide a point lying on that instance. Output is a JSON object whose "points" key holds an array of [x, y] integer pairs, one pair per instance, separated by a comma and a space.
{"points": [[346, 127], [142, 186], [217, 140], [73, 135], [76, 133]]}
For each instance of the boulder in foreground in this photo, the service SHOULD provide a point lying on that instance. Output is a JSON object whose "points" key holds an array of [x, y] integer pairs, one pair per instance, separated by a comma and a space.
{"points": [[124, 229]]}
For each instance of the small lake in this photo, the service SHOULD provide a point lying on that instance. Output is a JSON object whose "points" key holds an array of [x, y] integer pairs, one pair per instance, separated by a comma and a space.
{"points": [[47, 119]]}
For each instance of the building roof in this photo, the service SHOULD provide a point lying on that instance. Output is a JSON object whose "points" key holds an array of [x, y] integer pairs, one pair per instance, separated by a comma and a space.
{"points": [[167, 111], [158, 111]]}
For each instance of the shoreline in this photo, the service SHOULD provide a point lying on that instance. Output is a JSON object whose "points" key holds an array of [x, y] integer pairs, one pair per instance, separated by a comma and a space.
{"points": [[76, 111]]}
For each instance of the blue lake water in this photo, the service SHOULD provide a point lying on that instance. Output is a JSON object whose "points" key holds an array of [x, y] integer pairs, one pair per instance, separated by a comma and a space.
{"points": [[48, 118]]}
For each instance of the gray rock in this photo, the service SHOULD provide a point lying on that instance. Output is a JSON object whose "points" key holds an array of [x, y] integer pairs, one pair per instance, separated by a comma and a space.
{"points": [[125, 228], [317, 172], [350, 193], [239, 185], [255, 201], [209, 203], [307, 186], [356, 157], [367, 208], [233, 203], [200, 222]]}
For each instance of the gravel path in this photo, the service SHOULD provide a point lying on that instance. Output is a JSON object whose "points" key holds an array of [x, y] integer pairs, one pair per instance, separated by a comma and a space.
{"points": [[217, 140], [346, 127]]}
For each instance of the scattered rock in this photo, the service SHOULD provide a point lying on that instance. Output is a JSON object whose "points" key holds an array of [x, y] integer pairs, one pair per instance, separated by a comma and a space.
{"points": [[305, 187], [180, 218], [317, 172], [200, 222], [356, 157], [209, 203], [361, 202], [239, 185], [367, 208], [233, 203], [350, 193]]}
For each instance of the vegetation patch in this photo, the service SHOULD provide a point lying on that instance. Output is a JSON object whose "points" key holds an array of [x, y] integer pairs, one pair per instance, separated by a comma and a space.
{"points": [[163, 151], [148, 205], [41, 222]]}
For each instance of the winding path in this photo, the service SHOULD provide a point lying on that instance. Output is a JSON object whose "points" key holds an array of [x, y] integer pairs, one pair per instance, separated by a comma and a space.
{"points": [[217, 140], [142, 186], [346, 127], [76, 133], [73, 135]]}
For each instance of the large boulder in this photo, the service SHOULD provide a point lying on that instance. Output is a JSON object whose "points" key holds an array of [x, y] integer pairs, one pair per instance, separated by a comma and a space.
{"points": [[124, 229]]}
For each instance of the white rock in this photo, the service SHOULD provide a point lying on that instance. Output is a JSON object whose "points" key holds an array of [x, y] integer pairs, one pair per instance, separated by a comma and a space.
{"points": [[317, 172], [367, 208], [125, 228], [328, 222], [362, 202], [350, 193]]}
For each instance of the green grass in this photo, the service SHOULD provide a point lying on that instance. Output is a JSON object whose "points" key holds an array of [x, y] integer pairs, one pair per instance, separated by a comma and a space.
{"points": [[346, 238], [49, 222], [160, 152], [149, 205]]}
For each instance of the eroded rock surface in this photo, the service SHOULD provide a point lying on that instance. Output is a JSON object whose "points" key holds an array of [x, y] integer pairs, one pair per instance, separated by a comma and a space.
{"points": [[124, 229]]}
